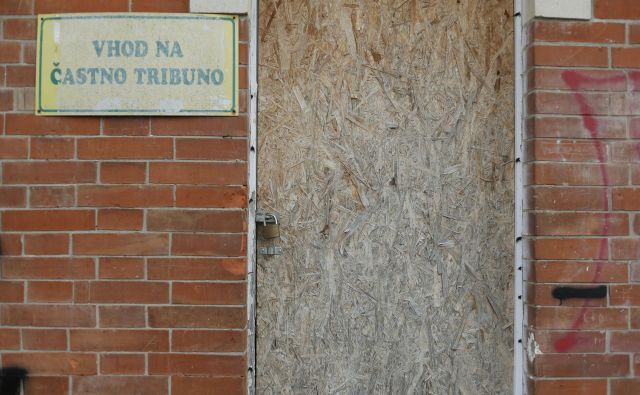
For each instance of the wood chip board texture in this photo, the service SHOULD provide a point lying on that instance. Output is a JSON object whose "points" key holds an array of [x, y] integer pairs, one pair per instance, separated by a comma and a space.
{"points": [[386, 145]]}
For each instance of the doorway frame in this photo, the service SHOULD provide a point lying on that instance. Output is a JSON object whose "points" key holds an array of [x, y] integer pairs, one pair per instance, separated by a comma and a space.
{"points": [[252, 188]]}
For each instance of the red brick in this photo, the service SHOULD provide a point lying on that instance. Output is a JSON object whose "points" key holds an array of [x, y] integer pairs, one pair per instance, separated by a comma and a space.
{"points": [[574, 127], [625, 386], [119, 340], [56, 363], [34, 125], [196, 269], [21, 75], [627, 152], [138, 292], [566, 318], [29, 52], [625, 341], [120, 244], [626, 199], [211, 149], [625, 57], [208, 341], [625, 248], [11, 292], [578, 272], [64, 6], [634, 34], [587, 224], [16, 7], [198, 173], [50, 291], [125, 148], [10, 52], [567, 198], [617, 9], [209, 245], [195, 364], [565, 103], [12, 197], [122, 364], [582, 32], [81, 291], [48, 268], [20, 29], [46, 244], [11, 244], [243, 77], [40, 220], [624, 295], [635, 176], [634, 128], [581, 365], [48, 172], [119, 219], [12, 148], [542, 295], [125, 196], [578, 174], [197, 317], [561, 55], [570, 387], [6, 100], [569, 249], [63, 196], [196, 221], [243, 54], [635, 269], [123, 172], [99, 385], [160, 5], [209, 293], [122, 316], [47, 315], [194, 385], [625, 104], [126, 126], [586, 341], [9, 339], [200, 126], [121, 268], [44, 339], [635, 318], [566, 151], [37, 385], [222, 197], [244, 27], [52, 148]]}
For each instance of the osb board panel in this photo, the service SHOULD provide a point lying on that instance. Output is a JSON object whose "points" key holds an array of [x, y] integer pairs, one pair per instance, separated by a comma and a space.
{"points": [[386, 145]]}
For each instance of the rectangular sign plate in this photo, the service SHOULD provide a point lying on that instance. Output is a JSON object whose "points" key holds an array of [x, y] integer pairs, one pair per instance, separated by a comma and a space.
{"points": [[137, 64]]}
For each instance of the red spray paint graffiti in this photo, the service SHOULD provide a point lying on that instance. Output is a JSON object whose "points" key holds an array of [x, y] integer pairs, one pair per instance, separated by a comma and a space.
{"points": [[576, 80]]}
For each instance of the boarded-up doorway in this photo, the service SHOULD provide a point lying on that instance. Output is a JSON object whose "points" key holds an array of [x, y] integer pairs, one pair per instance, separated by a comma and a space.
{"points": [[386, 146]]}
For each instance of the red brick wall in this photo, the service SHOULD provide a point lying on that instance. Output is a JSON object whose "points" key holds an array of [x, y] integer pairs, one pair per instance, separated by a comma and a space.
{"points": [[123, 239], [583, 208]]}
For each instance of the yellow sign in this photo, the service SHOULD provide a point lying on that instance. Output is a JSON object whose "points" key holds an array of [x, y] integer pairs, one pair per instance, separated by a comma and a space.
{"points": [[137, 64]]}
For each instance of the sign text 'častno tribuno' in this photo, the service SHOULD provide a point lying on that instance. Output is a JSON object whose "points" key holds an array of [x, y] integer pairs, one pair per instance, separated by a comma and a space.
{"points": [[137, 64]]}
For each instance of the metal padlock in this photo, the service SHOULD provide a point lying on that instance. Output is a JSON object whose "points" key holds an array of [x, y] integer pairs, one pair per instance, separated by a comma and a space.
{"points": [[271, 231], [268, 222]]}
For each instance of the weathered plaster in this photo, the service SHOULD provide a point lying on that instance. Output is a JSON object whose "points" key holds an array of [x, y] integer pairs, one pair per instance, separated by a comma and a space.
{"points": [[562, 9], [220, 6]]}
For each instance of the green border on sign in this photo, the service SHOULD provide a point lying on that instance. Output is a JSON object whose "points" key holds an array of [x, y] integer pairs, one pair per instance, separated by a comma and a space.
{"points": [[232, 19]]}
